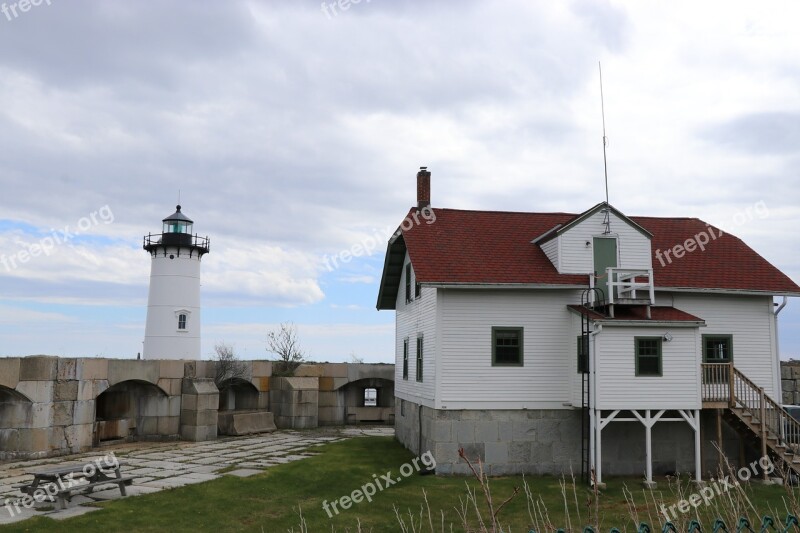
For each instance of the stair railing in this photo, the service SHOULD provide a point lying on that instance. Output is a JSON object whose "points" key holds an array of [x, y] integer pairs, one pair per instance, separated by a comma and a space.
{"points": [[724, 382]]}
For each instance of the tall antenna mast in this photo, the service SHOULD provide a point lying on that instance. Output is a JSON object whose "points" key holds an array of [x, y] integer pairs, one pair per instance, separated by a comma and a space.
{"points": [[606, 218]]}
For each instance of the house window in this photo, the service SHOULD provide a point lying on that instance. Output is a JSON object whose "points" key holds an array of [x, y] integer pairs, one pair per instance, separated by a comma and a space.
{"points": [[648, 356], [419, 358], [583, 354], [181, 321], [506, 346], [405, 358], [370, 397], [718, 348], [402, 408], [408, 282]]}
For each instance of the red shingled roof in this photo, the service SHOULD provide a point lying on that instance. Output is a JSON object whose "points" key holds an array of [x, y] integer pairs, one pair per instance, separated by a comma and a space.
{"points": [[481, 247]]}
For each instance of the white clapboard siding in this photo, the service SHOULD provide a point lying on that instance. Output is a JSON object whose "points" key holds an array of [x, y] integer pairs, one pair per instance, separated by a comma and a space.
{"points": [[574, 257], [618, 386], [469, 381], [749, 319], [414, 318], [550, 249]]}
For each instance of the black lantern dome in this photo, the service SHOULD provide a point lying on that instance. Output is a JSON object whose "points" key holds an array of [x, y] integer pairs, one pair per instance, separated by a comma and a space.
{"points": [[176, 232]]}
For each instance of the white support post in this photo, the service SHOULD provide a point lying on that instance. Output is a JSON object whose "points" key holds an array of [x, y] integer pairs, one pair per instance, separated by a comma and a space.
{"points": [[592, 428], [693, 419], [648, 445], [598, 474], [648, 420], [697, 463]]}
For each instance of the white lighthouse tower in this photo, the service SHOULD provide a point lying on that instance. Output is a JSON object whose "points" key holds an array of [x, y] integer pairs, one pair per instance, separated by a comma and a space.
{"points": [[173, 304]]}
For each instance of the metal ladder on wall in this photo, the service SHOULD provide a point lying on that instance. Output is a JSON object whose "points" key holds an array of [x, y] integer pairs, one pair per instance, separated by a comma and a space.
{"points": [[592, 299]]}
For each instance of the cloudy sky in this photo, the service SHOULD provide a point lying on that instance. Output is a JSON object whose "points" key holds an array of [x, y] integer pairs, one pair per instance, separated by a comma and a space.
{"points": [[293, 132]]}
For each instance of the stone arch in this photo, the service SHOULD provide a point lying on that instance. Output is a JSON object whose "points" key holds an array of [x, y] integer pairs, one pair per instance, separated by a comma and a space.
{"points": [[136, 409], [237, 394], [16, 415], [354, 391], [357, 410], [16, 409], [8, 395]]}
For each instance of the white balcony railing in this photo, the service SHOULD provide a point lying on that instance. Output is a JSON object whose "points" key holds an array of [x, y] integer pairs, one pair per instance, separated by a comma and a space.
{"points": [[627, 285]]}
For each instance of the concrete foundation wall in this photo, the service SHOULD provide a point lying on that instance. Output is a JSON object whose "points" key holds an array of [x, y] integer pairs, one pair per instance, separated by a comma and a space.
{"points": [[506, 441], [549, 442]]}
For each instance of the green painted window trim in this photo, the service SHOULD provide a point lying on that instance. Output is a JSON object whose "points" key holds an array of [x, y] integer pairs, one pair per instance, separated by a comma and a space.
{"points": [[583, 358], [405, 358], [726, 336], [420, 347], [495, 330], [660, 356]]}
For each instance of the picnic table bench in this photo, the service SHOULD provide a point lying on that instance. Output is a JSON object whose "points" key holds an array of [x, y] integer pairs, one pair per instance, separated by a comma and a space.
{"points": [[64, 478]]}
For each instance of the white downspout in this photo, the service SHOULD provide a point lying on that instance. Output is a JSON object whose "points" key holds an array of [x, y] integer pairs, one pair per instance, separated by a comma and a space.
{"points": [[593, 422], [779, 388]]}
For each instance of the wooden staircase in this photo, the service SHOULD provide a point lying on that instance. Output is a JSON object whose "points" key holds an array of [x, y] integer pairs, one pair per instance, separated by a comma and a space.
{"points": [[750, 411]]}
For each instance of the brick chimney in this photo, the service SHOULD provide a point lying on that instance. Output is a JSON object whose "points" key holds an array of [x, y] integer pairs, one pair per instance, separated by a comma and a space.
{"points": [[423, 188]]}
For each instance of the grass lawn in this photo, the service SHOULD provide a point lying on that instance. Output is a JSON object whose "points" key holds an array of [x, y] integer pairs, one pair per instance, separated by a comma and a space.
{"points": [[270, 501]]}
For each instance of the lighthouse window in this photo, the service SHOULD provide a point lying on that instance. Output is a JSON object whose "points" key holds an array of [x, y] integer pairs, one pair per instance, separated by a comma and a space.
{"points": [[176, 227], [181, 321]]}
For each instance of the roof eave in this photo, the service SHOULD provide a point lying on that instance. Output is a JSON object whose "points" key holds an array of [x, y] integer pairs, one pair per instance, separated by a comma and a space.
{"points": [[396, 246], [744, 292], [472, 285], [547, 235], [652, 323]]}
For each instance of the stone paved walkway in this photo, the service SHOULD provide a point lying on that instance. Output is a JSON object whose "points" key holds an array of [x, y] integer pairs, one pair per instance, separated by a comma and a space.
{"points": [[164, 465]]}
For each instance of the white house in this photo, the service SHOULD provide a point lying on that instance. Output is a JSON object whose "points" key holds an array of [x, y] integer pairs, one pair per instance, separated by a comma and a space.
{"points": [[550, 342]]}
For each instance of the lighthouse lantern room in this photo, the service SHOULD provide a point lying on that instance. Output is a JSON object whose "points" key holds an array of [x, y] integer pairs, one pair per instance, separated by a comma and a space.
{"points": [[172, 330]]}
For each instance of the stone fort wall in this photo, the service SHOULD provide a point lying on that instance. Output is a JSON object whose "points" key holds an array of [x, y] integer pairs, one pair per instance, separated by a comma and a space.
{"points": [[53, 406]]}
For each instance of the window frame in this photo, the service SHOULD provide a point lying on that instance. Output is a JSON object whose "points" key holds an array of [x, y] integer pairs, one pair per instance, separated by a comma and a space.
{"points": [[183, 319], [366, 395], [521, 346], [660, 355], [405, 358], [708, 336], [420, 355]]}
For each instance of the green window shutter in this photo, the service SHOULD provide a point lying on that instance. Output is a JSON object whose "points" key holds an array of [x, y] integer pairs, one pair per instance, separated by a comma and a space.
{"points": [[419, 357], [405, 358], [583, 354]]}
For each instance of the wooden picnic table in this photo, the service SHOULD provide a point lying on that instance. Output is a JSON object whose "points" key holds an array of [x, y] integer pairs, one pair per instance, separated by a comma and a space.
{"points": [[64, 478]]}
